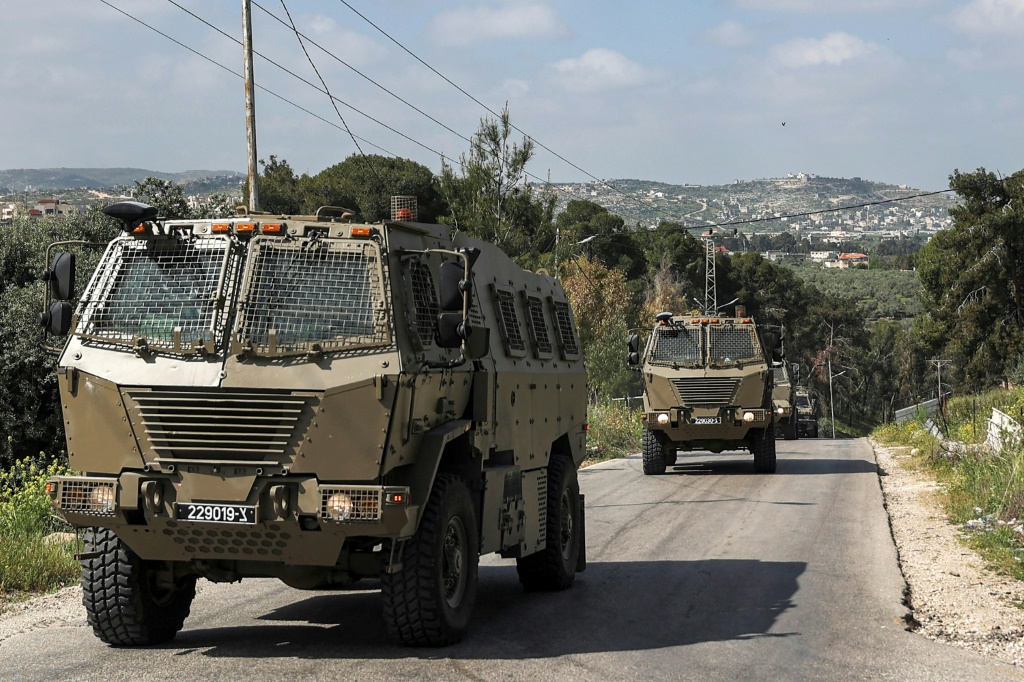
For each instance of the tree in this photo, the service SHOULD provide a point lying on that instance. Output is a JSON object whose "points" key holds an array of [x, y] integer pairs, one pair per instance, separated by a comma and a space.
{"points": [[608, 238], [367, 183], [488, 197], [278, 188], [166, 196], [973, 277]]}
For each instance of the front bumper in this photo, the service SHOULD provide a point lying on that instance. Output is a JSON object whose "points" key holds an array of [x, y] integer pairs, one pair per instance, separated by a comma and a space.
{"points": [[298, 519], [698, 424]]}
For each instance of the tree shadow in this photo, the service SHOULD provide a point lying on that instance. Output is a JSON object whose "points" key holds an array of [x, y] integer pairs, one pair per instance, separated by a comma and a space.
{"points": [[613, 606]]}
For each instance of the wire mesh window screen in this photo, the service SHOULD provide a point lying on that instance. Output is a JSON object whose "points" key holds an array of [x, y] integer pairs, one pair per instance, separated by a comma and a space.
{"points": [[509, 320], [152, 289], [678, 345], [312, 295], [424, 297], [779, 375], [732, 343], [563, 327], [538, 326]]}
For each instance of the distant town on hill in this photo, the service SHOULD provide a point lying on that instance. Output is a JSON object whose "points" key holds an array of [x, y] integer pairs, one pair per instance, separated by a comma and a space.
{"points": [[757, 206]]}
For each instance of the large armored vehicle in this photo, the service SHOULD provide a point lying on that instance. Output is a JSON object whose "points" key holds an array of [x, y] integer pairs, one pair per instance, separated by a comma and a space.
{"points": [[707, 386], [807, 413], [784, 398], [319, 401]]}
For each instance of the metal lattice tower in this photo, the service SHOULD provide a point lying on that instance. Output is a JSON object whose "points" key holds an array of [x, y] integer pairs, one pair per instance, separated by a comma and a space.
{"points": [[710, 289]]}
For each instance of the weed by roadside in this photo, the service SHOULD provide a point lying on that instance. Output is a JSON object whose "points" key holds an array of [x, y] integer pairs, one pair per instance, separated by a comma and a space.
{"points": [[614, 431], [28, 562]]}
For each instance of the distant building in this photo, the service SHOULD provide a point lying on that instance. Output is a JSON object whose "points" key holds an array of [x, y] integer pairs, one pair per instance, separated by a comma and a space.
{"points": [[51, 208]]}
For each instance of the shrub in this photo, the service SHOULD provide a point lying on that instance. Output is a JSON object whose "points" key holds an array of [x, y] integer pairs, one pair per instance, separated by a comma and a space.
{"points": [[614, 430], [27, 563]]}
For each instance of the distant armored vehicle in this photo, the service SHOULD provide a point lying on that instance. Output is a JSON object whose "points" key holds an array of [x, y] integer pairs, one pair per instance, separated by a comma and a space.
{"points": [[319, 401], [807, 413], [784, 398], [707, 386]]}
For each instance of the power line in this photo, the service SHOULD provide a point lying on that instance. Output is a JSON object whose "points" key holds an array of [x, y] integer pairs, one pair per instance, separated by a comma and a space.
{"points": [[366, 160], [238, 75], [491, 111]]}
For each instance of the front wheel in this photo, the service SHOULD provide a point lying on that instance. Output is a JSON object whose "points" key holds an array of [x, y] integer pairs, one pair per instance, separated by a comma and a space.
{"points": [[428, 601], [762, 445], [554, 567], [653, 454], [128, 601]]}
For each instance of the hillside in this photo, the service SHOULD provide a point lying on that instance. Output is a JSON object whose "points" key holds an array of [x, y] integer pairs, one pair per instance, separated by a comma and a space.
{"points": [[41, 180]]}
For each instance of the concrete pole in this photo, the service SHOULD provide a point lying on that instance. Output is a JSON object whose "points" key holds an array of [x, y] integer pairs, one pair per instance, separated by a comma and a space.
{"points": [[250, 103], [831, 403]]}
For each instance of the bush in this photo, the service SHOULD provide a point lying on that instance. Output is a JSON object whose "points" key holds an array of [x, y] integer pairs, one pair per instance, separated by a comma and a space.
{"points": [[614, 431], [27, 562]]}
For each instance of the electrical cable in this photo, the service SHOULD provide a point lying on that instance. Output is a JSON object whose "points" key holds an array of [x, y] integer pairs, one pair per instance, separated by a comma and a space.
{"points": [[487, 108], [366, 160]]}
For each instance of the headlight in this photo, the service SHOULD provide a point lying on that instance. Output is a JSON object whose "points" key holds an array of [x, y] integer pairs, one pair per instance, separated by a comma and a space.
{"points": [[102, 499], [338, 506], [663, 418], [748, 416], [779, 410]]}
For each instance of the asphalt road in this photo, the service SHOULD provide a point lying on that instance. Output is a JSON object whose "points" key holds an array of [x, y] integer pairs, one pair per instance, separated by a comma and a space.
{"points": [[708, 572]]}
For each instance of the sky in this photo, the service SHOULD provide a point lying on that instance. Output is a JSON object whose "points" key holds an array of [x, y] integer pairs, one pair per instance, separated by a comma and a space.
{"points": [[700, 92]]}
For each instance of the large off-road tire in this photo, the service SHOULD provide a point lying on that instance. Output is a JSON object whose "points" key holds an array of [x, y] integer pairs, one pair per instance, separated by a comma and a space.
{"points": [[762, 446], [653, 454], [428, 601], [124, 603], [554, 567]]}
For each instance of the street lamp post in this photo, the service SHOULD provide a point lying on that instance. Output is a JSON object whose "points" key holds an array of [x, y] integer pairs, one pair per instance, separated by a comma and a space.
{"points": [[831, 403]]}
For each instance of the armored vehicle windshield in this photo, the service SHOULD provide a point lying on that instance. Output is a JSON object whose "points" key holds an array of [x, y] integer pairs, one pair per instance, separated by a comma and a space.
{"points": [[712, 345]]}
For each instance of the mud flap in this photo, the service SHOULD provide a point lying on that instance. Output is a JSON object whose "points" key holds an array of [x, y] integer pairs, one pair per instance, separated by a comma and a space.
{"points": [[581, 559]]}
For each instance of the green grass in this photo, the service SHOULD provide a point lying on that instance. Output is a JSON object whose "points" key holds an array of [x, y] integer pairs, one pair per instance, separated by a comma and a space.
{"points": [[27, 562], [983, 490], [614, 431]]}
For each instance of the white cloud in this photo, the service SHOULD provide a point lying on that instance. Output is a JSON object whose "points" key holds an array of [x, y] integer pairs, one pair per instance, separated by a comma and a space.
{"points": [[599, 70], [833, 49], [730, 34], [990, 17], [828, 6], [478, 24]]}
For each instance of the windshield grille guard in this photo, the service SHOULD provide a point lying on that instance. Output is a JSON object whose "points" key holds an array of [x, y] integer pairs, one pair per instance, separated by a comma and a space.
{"points": [[678, 345], [728, 343], [311, 296], [164, 294]]}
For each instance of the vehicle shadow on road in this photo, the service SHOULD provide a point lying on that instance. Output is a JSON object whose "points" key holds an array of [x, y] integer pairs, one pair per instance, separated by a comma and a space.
{"points": [[796, 466], [613, 606]]}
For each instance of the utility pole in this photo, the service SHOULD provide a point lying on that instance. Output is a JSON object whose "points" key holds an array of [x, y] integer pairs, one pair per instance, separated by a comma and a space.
{"points": [[710, 287], [938, 369], [250, 103]]}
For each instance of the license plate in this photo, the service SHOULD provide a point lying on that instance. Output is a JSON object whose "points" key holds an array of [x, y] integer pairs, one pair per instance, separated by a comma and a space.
{"points": [[707, 420], [216, 513]]}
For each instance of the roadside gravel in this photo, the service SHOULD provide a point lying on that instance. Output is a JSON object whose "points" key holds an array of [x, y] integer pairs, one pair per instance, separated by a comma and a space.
{"points": [[952, 597]]}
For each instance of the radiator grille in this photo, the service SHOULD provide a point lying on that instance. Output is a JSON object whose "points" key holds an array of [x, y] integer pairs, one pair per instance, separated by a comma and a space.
{"points": [[312, 295], [706, 390], [224, 425]]}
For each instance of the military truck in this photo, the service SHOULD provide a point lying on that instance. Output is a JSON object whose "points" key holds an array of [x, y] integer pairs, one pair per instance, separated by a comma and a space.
{"points": [[316, 400], [707, 386], [807, 413], [784, 398]]}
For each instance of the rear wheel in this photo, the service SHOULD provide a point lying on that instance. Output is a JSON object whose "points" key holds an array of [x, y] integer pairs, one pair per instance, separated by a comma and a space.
{"points": [[128, 601], [790, 431], [554, 567], [653, 453], [428, 601], [762, 445]]}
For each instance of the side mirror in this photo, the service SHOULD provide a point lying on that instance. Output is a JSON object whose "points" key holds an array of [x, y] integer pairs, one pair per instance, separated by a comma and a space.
{"points": [[57, 320], [448, 330], [632, 359], [61, 276], [452, 286], [633, 343], [478, 341], [795, 367]]}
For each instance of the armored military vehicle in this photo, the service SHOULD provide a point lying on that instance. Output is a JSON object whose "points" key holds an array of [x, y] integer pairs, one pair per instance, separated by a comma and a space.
{"points": [[807, 413], [784, 398], [707, 386], [316, 400]]}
